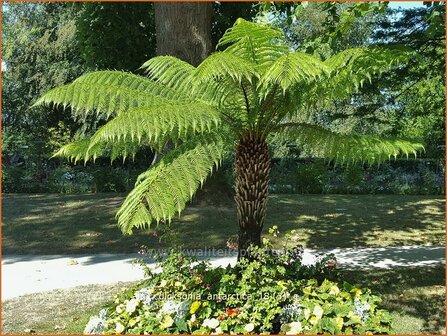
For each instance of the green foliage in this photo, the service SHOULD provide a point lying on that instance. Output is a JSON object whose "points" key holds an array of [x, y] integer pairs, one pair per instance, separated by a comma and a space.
{"points": [[253, 86], [163, 190], [117, 36], [349, 148], [273, 293], [311, 177], [37, 55]]}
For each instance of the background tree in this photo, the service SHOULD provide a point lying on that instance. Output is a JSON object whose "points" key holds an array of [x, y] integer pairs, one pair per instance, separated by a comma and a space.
{"points": [[117, 35], [232, 101], [393, 104], [37, 55]]}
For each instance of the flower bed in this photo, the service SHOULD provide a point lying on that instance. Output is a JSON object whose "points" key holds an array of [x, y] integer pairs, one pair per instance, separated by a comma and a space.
{"points": [[273, 292]]}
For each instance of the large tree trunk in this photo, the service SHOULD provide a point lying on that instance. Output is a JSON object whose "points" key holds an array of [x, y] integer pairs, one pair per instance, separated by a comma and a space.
{"points": [[184, 30], [252, 169]]}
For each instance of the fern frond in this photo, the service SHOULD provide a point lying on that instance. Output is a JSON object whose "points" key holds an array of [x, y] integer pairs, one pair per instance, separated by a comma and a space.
{"points": [[157, 124], [223, 65], [163, 191], [84, 150], [108, 93], [261, 44], [350, 68], [347, 149], [171, 72], [291, 69]]}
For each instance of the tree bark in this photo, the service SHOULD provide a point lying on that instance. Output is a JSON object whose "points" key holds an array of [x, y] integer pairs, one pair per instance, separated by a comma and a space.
{"points": [[184, 30], [252, 170]]}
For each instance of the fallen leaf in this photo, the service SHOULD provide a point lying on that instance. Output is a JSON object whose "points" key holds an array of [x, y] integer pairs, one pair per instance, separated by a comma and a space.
{"points": [[29, 331], [58, 327], [72, 262]]}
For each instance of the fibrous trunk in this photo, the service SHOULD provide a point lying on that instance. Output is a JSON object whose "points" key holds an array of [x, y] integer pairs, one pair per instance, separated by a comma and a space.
{"points": [[252, 169]]}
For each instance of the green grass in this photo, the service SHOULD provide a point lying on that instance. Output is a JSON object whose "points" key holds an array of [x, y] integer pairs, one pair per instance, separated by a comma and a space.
{"points": [[62, 311], [54, 223], [414, 296]]}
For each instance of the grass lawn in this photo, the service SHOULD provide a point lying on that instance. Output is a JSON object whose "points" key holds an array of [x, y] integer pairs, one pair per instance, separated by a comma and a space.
{"points": [[54, 223], [61, 311], [415, 298]]}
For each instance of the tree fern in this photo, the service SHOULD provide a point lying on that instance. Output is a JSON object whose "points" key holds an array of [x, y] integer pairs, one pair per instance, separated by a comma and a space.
{"points": [[233, 100]]}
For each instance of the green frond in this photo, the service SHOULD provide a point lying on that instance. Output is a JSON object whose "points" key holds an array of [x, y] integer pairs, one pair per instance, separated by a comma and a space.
{"points": [[223, 65], [170, 71], [350, 68], [348, 149], [261, 44], [291, 69], [84, 150], [163, 191], [108, 93], [157, 124]]}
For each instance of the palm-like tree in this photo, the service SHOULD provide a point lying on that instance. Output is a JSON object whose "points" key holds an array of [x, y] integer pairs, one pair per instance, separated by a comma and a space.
{"points": [[231, 102]]}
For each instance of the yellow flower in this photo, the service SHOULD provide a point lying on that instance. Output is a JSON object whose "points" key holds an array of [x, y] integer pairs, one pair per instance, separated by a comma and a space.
{"points": [[282, 284], [178, 284], [163, 283], [334, 290], [194, 306], [357, 292], [166, 322], [339, 322]]}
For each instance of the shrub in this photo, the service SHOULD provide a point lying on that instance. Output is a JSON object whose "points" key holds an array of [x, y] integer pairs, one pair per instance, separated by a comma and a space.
{"points": [[311, 177], [272, 292], [68, 180]]}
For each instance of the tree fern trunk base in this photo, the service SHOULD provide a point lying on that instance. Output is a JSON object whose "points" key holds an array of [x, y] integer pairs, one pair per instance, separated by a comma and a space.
{"points": [[252, 169]]}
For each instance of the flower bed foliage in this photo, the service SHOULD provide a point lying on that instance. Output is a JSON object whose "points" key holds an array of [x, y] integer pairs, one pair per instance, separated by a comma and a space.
{"points": [[271, 293]]}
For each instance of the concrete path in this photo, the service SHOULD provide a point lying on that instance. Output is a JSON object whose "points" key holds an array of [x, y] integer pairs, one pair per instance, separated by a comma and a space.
{"points": [[26, 274]]}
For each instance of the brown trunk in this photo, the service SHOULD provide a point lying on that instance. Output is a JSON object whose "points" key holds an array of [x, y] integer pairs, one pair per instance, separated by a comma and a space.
{"points": [[184, 30], [252, 169]]}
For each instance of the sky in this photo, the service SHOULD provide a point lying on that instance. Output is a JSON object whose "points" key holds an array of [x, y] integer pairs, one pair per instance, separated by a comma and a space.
{"points": [[405, 4]]}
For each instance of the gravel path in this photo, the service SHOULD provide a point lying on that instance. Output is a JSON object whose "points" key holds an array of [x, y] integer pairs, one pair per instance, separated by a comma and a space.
{"points": [[26, 274]]}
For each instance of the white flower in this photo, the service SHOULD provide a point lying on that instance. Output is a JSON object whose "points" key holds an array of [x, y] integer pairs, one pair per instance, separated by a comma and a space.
{"points": [[131, 306], [169, 307], [292, 328], [193, 318], [218, 331], [119, 328], [211, 323], [96, 324], [249, 327]]}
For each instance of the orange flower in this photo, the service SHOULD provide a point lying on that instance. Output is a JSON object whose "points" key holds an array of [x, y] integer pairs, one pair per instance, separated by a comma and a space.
{"points": [[231, 312]]}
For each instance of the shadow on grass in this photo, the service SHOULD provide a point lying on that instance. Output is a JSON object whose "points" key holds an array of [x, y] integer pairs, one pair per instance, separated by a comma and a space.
{"points": [[417, 292], [327, 221], [85, 224]]}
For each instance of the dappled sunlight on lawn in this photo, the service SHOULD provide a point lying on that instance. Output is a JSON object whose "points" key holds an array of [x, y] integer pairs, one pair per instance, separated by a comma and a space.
{"points": [[86, 223]]}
